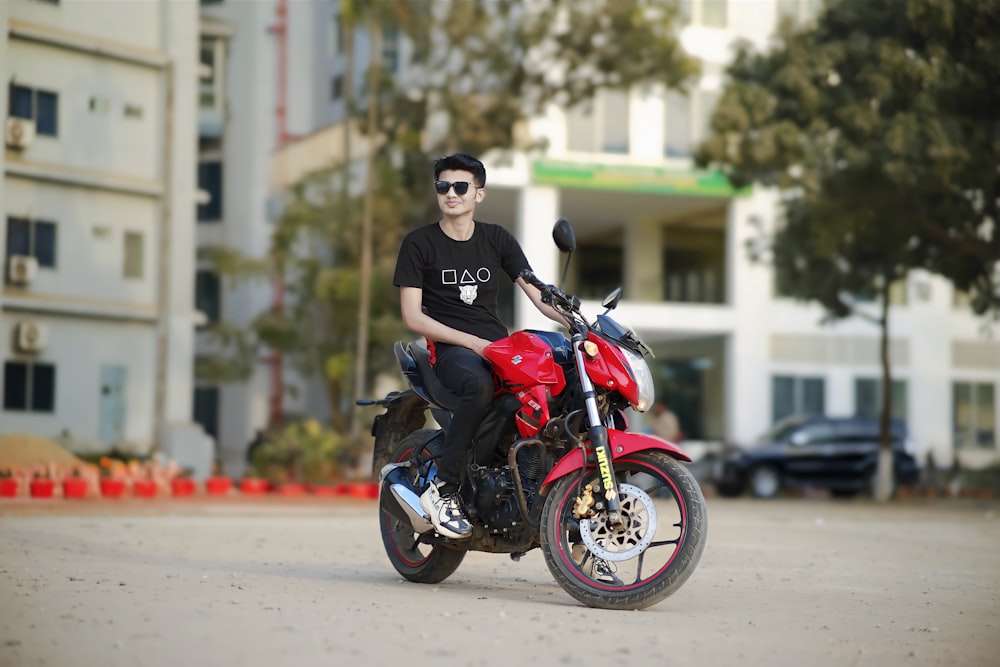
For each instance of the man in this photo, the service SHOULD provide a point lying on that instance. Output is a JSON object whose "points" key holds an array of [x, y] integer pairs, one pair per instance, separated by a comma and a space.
{"points": [[449, 274]]}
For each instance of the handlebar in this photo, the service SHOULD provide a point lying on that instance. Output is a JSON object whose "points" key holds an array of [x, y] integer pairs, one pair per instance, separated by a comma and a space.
{"points": [[564, 303]]}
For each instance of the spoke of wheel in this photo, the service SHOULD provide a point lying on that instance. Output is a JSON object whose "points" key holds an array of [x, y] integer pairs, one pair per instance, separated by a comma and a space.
{"points": [[638, 567], [663, 543]]}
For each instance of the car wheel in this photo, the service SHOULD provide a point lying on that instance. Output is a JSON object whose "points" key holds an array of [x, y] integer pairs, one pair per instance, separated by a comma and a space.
{"points": [[764, 481], [729, 489]]}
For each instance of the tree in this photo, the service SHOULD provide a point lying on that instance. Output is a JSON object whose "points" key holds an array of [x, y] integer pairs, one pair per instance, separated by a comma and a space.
{"points": [[477, 71], [878, 125]]}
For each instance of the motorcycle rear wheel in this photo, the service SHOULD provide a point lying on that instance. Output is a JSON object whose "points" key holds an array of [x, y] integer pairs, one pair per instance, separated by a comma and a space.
{"points": [[414, 560], [650, 558]]}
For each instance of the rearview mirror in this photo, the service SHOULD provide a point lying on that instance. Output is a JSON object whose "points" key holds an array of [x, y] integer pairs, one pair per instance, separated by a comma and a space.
{"points": [[564, 236]]}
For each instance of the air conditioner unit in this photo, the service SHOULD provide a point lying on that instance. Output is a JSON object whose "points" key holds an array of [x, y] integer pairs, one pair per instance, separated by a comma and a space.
{"points": [[21, 269], [20, 132], [31, 336]]}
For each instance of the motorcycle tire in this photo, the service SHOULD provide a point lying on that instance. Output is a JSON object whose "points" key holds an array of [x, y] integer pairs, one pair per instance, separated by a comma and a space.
{"points": [[665, 526], [416, 561]]}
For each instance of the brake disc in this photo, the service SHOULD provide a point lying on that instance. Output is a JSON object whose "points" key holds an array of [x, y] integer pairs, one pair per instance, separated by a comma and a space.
{"points": [[639, 517]]}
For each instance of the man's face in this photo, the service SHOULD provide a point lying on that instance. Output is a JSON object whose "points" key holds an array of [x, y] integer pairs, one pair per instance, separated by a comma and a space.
{"points": [[453, 204]]}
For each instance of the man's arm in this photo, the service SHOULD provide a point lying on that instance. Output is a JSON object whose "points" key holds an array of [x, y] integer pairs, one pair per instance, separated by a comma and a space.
{"points": [[545, 309], [415, 319]]}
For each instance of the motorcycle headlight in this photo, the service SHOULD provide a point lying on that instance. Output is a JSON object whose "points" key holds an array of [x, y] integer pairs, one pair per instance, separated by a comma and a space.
{"points": [[643, 380]]}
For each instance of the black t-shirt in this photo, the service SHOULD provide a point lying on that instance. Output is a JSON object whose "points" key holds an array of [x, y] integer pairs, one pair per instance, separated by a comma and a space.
{"points": [[459, 279]]}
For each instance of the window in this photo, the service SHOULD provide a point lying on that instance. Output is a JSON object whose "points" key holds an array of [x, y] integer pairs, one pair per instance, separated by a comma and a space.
{"points": [[33, 238], [707, 101], [798, 11], [604, 127], [797, 395], [336, 35], [337, 87], [211, 56], [687, 120], [40, 105], [605, 267], [29, 386], [210, 180], [820, 433], [683, 13], [134, 264], [868, 398], [208, 295], [974, 415], [714, 13], [694, 265], [206, 409], [897, 294], [677, 133], [390, 50]]}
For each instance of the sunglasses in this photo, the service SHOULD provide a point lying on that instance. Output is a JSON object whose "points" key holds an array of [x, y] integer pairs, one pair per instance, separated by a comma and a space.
{"points": [[461, 187]]}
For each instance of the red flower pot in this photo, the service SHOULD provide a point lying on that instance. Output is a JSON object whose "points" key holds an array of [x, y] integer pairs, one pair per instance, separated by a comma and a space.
{"points": [[253, 485], [364, 490], [74, 487], [112, 488], [144, 488], [182, 486], [218, 486], [42, 488], [292, 489], [8, 487]]}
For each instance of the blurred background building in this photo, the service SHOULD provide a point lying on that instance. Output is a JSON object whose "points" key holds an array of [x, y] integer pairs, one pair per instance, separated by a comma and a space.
{"points": [[118, 99], [98, 194]]}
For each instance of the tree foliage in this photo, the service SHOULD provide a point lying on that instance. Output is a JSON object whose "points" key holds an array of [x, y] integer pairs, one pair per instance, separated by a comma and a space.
{"points": [[472, 73], [879, 126]]}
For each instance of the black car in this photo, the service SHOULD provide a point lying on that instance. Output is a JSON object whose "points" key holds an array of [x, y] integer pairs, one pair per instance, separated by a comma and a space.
{"points": [[835, 453]]}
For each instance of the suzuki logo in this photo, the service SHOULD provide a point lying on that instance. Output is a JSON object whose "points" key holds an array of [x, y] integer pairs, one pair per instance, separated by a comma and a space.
{"points": [[516, 359]]}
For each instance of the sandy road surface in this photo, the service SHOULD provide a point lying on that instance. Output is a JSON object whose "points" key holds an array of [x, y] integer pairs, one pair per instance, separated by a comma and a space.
{"points": [[283, 582]]}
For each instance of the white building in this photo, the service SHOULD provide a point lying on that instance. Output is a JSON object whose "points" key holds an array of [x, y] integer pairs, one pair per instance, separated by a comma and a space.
{"points": [[732, 354], [98, 192], [263, 85]]}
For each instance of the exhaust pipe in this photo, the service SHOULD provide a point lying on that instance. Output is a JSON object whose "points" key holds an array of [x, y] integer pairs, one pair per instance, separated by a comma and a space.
{"points": [[400, 499]]}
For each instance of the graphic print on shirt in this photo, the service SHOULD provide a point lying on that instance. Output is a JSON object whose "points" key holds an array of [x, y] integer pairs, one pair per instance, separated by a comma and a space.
{"points": [[468, 287]]}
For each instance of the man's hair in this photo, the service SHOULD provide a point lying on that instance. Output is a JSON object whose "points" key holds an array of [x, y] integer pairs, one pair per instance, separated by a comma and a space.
{"points": [[461, 162]]}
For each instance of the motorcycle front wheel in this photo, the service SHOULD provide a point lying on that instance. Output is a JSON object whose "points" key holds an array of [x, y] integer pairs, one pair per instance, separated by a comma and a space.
{"points": [[645, 559], [415, 560]]}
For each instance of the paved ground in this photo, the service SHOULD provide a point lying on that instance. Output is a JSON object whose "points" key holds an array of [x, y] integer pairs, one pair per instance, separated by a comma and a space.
{"points": [[305, 582]]}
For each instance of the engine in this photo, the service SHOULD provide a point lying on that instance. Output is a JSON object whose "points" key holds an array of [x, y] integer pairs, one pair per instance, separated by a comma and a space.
{"points": [[496, 498]]}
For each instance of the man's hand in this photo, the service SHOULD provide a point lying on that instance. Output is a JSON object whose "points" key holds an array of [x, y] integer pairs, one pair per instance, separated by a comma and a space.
{"points": [[478, 345]]}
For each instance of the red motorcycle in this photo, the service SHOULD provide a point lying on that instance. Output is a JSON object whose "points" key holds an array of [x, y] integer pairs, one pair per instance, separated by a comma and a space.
{"points": [[621, 523]]}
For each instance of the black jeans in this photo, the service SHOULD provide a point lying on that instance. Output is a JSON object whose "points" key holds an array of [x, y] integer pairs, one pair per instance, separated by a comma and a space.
{"points": [[469, 376]]}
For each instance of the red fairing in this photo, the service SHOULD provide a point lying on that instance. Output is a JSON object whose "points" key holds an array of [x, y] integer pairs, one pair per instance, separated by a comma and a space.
{"points": [[610, 370], [524, 366], [622, 444]]}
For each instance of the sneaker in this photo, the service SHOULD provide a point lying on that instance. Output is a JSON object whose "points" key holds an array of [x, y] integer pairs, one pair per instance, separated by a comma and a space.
{"points": [[601, 570], [604, 572], [445, 512]]}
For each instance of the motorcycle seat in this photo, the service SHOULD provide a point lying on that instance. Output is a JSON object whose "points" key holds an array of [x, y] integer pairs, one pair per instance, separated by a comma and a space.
{"points": [[433, 389]]}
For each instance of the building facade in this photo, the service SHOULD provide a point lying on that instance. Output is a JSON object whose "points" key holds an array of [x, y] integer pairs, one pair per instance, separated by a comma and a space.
{"points": [[98, 196], [732, 354]]}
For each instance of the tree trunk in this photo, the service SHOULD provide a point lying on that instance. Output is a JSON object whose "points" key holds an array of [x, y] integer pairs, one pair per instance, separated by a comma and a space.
{"points": [[884, 470], [364, 292]]}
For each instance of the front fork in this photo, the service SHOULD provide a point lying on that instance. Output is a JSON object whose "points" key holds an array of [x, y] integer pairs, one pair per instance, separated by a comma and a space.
{"points": [[599, 438]]}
